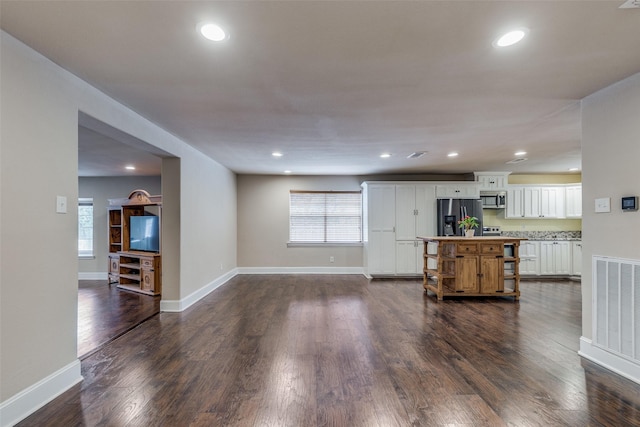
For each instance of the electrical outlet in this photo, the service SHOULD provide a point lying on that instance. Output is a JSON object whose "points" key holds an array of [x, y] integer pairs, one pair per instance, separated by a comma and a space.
{"points": [[331, 259]]}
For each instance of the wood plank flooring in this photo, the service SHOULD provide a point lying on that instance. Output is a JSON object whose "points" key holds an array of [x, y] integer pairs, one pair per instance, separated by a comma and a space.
{"points": [[106, 312], [322, 350]]}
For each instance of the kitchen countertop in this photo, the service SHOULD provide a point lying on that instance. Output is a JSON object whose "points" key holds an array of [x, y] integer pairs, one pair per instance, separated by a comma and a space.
{"points": [[545, 235]]}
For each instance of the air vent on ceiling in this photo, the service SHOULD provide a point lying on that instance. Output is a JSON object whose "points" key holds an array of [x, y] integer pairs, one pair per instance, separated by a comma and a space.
{"points": [[630, 4], [518, 160], [416, 155]]}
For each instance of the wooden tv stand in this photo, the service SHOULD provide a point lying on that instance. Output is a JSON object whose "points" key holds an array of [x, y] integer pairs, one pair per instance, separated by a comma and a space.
{"points": [[471, 266], [136, 271]]}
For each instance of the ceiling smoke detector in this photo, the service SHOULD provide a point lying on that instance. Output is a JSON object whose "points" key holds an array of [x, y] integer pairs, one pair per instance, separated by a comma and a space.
{"points": [[518, 160], [630, 4], [416, 155]]}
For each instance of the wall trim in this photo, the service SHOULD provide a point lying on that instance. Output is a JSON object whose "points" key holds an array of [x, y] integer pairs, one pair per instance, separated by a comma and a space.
{"points": [[34, 397], [610, 361], [300, 270], [176, 306], [98, 275]]}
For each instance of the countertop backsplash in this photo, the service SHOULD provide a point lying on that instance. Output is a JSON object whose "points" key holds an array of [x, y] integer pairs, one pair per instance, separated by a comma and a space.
{"points": [[545, 235]]}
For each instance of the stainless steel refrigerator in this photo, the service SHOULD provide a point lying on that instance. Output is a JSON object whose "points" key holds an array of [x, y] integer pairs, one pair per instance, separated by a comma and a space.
{"points": [[450, 211]]}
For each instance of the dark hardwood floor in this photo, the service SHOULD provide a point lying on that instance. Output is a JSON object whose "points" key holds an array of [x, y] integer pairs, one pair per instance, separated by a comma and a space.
{"points": [[321, 350], [106, 312]]}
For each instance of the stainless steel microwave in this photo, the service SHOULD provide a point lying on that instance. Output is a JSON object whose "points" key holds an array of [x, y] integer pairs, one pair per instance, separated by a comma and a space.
{"points": [[493, 199]]}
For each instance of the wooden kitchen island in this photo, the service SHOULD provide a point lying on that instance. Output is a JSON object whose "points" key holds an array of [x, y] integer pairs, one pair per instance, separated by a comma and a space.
{"points": [[472, 266]]}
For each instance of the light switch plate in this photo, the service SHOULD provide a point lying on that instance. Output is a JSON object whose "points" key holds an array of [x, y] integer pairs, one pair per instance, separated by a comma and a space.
{"points": [[61, 204], [603, 205]]}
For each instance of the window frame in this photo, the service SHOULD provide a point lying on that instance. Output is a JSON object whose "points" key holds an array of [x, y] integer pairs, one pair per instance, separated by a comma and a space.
{"points": [[300, 243]]}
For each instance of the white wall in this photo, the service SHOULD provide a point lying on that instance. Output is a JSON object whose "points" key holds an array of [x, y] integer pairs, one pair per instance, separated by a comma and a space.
{"points": [[101, 189], [38, 251], [610, 155], [263, 223]]}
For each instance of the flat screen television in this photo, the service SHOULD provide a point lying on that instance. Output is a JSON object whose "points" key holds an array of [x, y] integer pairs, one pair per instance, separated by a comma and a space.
{"points": [[144, 233]]}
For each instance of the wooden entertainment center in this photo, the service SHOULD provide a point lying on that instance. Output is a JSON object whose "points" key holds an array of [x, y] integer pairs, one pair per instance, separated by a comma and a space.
{"points": [[138, 271]]}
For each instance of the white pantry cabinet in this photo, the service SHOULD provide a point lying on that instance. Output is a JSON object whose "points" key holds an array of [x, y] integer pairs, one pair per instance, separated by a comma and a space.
{"points": [[394, 215], [555, 258]]}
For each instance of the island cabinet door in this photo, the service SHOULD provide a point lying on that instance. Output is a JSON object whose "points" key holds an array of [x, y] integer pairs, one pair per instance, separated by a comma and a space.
{"points": [[466, 274], [491, 274]]}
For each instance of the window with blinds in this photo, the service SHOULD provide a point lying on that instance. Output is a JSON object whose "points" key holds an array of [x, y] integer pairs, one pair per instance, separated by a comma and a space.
{"points": [[325, 217], [85, 227]]}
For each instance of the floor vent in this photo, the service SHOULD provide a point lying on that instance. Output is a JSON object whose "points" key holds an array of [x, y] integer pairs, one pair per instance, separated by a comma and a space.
{"points": [[616, 306]]}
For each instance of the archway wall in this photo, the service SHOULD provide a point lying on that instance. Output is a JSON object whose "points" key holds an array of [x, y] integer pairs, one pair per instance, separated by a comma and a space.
{"points": [[38, 248]]}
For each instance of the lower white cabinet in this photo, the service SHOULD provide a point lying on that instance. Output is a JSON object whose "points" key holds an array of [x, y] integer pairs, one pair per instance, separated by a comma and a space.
{"points": [[555, 258], [529, 258], [409, 257], [576, 255]]}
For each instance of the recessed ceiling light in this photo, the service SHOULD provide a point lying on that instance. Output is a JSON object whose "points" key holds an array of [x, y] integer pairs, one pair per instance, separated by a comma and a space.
{"points": [[511, 38], [276, 154], [212, 32], [519, 153], [454, 154], [574, 169], [130, 168], [385, 155], [287, 172]]}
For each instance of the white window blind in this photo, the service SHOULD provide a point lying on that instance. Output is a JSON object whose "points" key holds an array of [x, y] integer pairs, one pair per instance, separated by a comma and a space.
{"points": [[325, 217], [85, 227]]}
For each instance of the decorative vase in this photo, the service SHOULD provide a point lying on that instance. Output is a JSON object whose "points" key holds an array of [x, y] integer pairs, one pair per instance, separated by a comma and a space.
{"points": [[469, 233]]}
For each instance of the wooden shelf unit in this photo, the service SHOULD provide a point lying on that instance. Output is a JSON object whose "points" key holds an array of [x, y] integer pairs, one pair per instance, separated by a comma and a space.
{"points": [[472, 266], [132, 270]]}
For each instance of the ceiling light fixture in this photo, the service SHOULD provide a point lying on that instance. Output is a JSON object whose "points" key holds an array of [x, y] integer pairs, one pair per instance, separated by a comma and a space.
{"points": [[385, 155], [511, 38], [212, 32], [519, 153], [573, 169], [287, 172], [454, 154], [276, 154], [130, 168]]}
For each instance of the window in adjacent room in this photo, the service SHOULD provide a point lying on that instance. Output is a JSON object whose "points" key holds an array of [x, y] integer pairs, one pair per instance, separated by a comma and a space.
{"points": [[85, 227], [325, 217]]}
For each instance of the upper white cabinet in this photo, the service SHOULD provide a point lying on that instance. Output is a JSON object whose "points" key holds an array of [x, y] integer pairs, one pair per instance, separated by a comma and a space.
{"points": [[415, 211], [535, 202], [492, 181], [574, 201], [458, 191]]}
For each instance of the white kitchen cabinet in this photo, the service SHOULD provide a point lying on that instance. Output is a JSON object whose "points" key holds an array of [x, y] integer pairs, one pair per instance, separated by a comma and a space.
{"points": [[415, 216], [409, 257], [395, 214], [458, 191], [573, 201], [380, 222], [492, 181], [535, 202], [529, 258], [576, 257], [555, 258], [515, 203]]}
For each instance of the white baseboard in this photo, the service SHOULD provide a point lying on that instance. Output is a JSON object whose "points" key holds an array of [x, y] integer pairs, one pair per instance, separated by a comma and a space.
{"points": [[176, 306], [25, 403], [300, 270], [608, 360], [92, 276]]}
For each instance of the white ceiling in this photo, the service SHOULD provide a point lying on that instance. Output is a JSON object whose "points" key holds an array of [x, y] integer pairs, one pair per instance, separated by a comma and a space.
{"points": [[333, 84]]}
